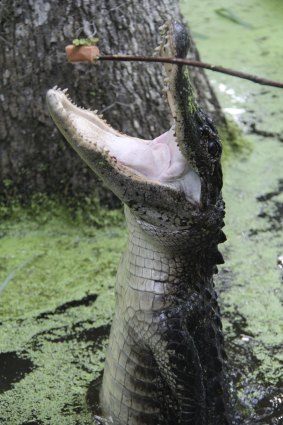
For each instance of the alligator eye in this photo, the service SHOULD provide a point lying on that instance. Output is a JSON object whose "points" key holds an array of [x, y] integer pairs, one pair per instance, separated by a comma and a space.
{"points": [[214, 148]]}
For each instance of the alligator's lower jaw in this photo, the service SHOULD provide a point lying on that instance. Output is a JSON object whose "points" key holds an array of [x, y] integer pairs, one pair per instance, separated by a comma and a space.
{"points": [[158, 161]]}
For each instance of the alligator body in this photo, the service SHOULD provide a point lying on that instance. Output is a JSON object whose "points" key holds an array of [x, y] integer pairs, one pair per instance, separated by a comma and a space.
{"points": [[165, 363]]}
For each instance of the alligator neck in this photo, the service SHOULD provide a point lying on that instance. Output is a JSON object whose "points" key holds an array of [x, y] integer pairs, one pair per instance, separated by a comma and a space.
{"points": [[174, 272], [164, 300]]}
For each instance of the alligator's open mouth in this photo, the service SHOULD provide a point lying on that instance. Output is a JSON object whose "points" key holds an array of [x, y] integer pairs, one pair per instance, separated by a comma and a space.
{"points": [[158, 160]]}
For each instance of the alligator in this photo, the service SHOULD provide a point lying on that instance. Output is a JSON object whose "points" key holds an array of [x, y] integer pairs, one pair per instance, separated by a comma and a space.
{"points": [[166, 362]]}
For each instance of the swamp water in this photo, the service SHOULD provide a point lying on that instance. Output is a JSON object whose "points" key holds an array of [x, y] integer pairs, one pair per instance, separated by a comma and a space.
{"points": [[57, 272]]}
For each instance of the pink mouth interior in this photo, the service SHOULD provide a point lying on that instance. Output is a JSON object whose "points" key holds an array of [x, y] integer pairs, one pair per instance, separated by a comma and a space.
{"points": [[159, 159]]}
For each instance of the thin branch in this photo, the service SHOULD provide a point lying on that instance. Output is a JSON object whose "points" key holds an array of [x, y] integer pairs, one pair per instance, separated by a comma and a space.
{"points": [[197, 64]]}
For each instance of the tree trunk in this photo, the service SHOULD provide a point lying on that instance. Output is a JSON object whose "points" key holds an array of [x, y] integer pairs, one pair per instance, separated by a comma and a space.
{"points": [[33, 156]]}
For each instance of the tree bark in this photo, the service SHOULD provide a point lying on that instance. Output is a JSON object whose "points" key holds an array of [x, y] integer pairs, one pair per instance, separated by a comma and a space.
{"points": [[33, 156]]}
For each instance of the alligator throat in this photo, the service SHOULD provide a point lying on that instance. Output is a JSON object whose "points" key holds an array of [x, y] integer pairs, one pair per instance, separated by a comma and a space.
{"points": [[165, 363]]}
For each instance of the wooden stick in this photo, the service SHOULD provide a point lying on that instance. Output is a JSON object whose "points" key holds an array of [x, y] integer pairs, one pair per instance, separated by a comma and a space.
{"points": [[91, 54], [195, 63]]}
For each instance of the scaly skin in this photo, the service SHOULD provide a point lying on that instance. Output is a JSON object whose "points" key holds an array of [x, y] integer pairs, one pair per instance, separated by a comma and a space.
{"points": [[165, 363]]}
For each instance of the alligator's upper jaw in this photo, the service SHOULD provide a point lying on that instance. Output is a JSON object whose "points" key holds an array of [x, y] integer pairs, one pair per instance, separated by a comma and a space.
{"points": [[157, 161]]}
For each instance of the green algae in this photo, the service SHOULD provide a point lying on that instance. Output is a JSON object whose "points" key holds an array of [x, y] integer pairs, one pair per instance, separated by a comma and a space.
{"points": [[252, 250], [68, 259], [234, 142], [56, 310], [255, 50]]}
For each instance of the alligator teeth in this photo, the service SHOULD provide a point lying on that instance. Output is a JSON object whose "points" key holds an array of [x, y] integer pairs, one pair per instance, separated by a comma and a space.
{"points": [[106, 151], [90, 142], [65, 91]]}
